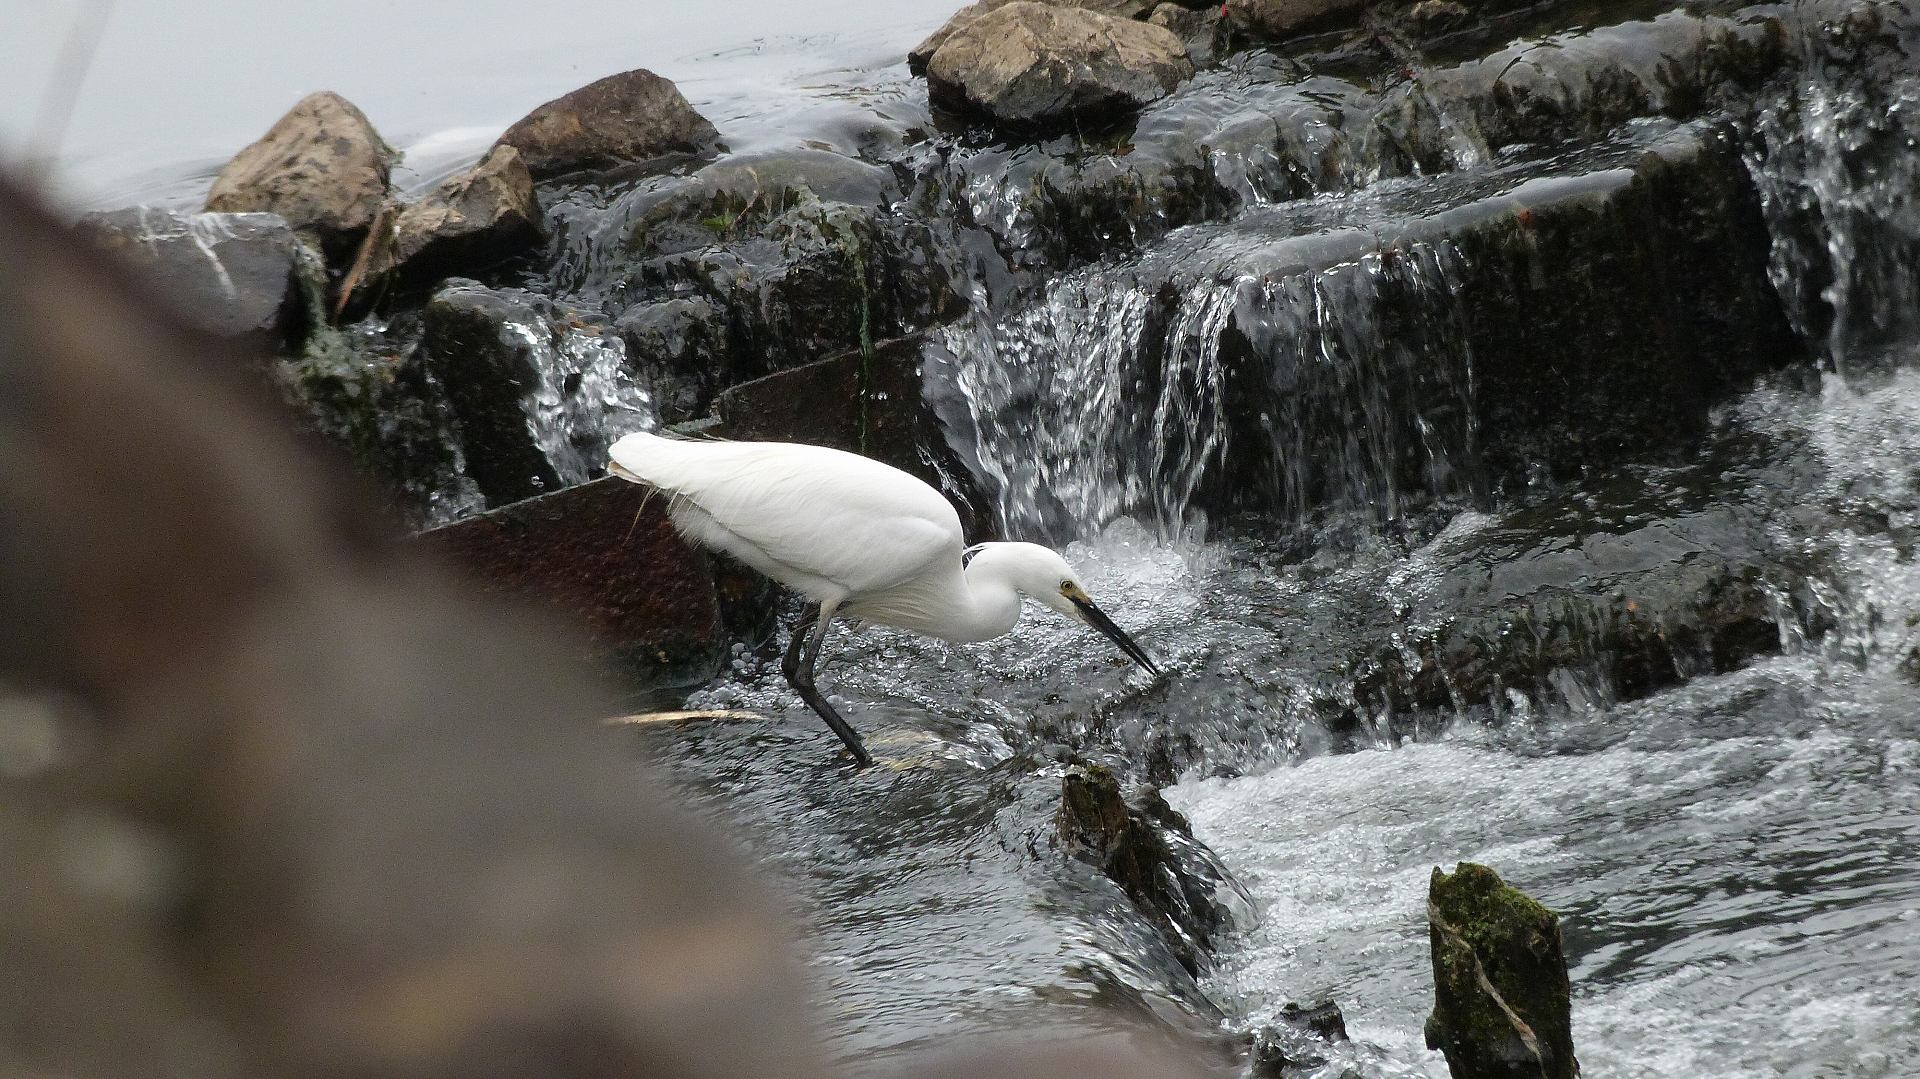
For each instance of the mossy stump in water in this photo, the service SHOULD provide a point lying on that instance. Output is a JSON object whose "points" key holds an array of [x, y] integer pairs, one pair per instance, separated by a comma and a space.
{"points": [[1501, 997]]}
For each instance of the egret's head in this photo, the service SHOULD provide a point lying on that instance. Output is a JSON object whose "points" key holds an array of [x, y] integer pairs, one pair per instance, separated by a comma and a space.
{"points": [[1042, 574]]}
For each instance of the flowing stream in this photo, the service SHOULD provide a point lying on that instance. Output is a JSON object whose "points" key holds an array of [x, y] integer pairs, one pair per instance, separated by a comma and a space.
{"points": [[1730, 831], [1736, 857]]}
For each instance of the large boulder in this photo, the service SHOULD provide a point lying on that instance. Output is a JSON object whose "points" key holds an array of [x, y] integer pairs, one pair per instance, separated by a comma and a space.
{"points": [[1581, 84], [234, 275], [370, 392], [917, 59], [322, 167], [1501, 997], [1612, 591], [753, 264], [471, 219], [540, 388], [1030, 65], [629, 118]]}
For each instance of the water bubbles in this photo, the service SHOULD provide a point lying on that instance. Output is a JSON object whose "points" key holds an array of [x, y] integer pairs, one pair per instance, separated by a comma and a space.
{"points": [[586, 397]]}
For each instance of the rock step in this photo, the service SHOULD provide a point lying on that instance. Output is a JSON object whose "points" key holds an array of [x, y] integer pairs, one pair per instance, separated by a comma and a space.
{"points": [[1260, 127], [604, 558], [1466, 332]]}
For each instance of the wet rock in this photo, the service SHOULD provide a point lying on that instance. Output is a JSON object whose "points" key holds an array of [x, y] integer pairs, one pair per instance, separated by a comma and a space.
{"points": [[234, 275], [1609, 590], [1248, 132], [767, 261], [921, 53], [1033, 66], [1501, 996], [681, 346], [468, 221], [1296, 1045], [1280, 18], [750, 196], [865, 403], [1429, 18], [1147, 848], [1580, 84], [1675, 310], [322, 167], [372, 394], [471, 343], [631, 118], [604, 558], [1198, 27]]}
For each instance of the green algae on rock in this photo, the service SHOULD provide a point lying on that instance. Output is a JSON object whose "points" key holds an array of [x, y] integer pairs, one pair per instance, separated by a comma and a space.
{"points": [[1501, 996]]}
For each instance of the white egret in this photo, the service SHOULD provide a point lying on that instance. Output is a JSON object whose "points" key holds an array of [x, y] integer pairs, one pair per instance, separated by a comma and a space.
{"points": [[861, 539]]}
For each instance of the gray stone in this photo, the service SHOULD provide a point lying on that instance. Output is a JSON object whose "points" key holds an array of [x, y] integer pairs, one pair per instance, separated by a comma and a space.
{"points": [[630, 118], [322, 167], [1582, 84], [1029, 65], [769, 261], [234, 275], [1198, 27]]}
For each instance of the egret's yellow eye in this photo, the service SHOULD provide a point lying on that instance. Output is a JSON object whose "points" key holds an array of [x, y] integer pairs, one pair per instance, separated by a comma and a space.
{"points": [[1066, 588]]}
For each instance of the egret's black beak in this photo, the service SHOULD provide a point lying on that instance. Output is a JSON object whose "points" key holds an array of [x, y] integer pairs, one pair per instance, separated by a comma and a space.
{"points": [[1098, 619]]}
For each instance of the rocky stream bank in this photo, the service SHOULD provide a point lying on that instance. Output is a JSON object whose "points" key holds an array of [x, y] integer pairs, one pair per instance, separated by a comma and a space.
{"points": [[1435, 309]]}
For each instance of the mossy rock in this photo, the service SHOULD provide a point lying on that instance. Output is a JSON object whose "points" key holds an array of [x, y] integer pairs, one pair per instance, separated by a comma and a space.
{"points": [[1501, 996]]}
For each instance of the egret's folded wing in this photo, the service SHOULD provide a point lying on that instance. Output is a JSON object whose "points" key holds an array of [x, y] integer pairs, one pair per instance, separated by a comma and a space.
{"points": [[823, 513]]}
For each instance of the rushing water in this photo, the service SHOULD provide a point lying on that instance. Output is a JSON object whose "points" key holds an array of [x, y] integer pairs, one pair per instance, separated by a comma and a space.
{"points": [[1734, 859], [1736, 856]]}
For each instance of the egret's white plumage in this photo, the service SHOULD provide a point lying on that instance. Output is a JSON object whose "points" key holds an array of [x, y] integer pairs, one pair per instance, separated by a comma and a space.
{"points": [[860, 538]]}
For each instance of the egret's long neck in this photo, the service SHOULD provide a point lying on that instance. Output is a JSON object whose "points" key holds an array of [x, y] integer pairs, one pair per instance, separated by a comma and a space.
{"points": [[991, 604]]}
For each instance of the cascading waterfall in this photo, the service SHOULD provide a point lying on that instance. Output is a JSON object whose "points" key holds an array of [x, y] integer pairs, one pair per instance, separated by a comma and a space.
{"points": [[1834, 162], [1833, 158], [1365, 396], [585, 399], [1072, 427], [1348, 386]]}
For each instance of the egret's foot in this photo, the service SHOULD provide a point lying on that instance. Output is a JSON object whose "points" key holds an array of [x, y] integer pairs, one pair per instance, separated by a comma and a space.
{"points": [[855, 744]]}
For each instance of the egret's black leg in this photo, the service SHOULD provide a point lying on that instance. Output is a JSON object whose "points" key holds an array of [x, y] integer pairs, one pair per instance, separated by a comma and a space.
{"points": [[803, 652]]}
